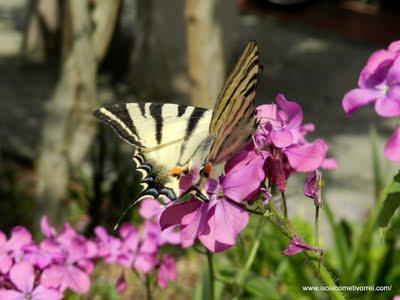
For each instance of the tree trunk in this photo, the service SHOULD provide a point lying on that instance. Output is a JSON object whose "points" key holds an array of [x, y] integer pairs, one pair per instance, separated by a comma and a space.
{"points": [[205, 51], [69, 127]]}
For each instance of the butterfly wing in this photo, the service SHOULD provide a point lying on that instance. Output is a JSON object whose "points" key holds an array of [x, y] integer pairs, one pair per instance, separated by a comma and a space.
{"points": [[233, 120], [164, 136]]}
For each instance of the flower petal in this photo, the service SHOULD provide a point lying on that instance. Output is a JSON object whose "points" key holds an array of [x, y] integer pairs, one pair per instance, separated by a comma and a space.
{"points": [[47, 230], [375, 71], [226, 221], [267, 113], [75, 279], [297, 245], [5, 263], [394, 47], [121, 284], [23, 276], [166, 272], [127, 229], [145, 262], [11, 295], [357, 98], [329, 164], [243, 180], [312, 187], [392, 147], [173, 214], [281, 138], [52, 277], [293, 111], [193, 224], [150, 208], [308, 157], [43, 293], [20, 237], [393, 76], [389, 106]]}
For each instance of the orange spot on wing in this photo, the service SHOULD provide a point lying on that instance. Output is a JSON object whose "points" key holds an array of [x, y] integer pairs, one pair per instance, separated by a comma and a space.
{"points": [[207, 169], [176, 171]]}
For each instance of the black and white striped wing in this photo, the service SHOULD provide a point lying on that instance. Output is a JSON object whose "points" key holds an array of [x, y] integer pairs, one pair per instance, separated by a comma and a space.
{"points": [[233, 120], [164, 136]]}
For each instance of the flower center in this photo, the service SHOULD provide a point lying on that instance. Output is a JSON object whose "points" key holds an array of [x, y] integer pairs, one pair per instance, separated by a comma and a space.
{"points": [[28, 296], [384, 88]]}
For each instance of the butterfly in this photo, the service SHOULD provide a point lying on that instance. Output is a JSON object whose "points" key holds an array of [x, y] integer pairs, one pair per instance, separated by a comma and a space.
{"points": [[170, 140]]}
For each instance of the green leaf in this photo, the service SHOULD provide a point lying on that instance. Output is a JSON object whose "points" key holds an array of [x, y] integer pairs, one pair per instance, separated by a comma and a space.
{"points": [[391, 202], [261, 288], [376, 167]]}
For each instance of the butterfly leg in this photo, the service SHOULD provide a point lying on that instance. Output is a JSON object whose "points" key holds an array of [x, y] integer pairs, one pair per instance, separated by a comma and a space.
{"points": [[196, 192]]}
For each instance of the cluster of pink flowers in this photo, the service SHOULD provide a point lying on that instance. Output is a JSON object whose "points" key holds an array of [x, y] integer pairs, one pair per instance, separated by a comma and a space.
{"points": [[45, 270], [379, 83], [279, 148]]}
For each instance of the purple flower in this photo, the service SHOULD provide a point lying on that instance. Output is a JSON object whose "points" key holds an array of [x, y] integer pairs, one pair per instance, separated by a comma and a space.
{"points": [[166, 271], [5, 259], [378, 83], [280, 146], [121, 284], [111, 248], [150, 209], [73, 272], [217, 222], [392, 147], [12, 249], [279, 123], [23, 277], [47, 230], [312, 188], [297, 245], [44, 254]]}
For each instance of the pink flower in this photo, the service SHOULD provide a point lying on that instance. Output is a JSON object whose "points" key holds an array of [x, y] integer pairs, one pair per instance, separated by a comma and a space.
{"points": [[23, 277], [73, 272], [111, 248], [44, 254], [47, 230], [392, 147], [121, 284], [12, 249], [279, 123], [166, 271], [297, 245], [312, 188], [280, 146], [5, 259], [378, 83], [217, 222], [150, 209]]}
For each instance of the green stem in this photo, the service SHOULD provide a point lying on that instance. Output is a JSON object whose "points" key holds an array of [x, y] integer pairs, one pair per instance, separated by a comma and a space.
{"points": [[316, 227], [211, 274], [288, 229], [242, 275], [285, 212], [148, 288], [324, 276]]}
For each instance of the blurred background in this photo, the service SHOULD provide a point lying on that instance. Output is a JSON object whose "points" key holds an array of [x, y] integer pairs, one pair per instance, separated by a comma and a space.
{"points": [[60, 60]]}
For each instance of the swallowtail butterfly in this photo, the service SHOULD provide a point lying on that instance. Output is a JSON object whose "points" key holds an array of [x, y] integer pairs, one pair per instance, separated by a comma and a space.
{"points": [[171, 138]]}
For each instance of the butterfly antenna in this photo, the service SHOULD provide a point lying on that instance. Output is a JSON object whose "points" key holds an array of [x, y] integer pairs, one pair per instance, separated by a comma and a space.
{"points": [[124, 213]]}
